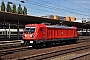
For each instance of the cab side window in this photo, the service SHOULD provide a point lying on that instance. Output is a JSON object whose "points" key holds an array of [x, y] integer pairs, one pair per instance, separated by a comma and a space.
{"points": [[41, 29]]}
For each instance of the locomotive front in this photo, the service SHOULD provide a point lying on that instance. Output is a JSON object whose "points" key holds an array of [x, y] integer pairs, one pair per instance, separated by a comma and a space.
{"points": [[29, 35]]}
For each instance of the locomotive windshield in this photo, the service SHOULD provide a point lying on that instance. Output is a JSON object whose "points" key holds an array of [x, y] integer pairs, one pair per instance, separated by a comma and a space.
{"points": [[29, 29]]}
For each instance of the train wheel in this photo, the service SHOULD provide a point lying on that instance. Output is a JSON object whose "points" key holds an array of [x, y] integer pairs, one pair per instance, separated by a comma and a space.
{"points": [[75, 41], [47, 44], [37, 46], [34, 46]]}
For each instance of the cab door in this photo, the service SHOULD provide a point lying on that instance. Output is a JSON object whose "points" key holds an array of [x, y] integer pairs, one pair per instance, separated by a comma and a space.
{"points": [[44, 33]]}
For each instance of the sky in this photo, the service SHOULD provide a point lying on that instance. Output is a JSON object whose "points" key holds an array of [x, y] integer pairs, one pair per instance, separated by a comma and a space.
{"points": [[74, 8]]}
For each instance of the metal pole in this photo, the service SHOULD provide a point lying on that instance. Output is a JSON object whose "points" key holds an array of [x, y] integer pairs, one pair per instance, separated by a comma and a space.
{"points": [[86, 31], [18, 29], [9, 31], [4, 23]]}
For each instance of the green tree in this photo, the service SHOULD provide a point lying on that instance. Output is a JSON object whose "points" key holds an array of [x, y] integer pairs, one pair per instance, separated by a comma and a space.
{"points": [[14, 8], [20, 11], [2, 6], [8, 8], [25, 10]]}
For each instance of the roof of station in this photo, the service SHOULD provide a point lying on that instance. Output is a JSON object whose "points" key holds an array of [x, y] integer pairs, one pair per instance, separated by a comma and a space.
{"points": [[26, 19]]}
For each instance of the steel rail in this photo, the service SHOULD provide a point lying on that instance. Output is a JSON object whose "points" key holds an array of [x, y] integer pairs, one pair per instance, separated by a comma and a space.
{"points": [[50, 54]]}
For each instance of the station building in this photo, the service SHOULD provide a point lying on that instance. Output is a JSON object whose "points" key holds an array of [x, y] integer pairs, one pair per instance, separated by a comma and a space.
{"points": [[56, 17]]}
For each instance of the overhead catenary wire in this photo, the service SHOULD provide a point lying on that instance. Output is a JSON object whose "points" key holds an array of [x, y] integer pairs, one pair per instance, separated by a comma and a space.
{"points": [[50, 8], [39, 10], [77, 5], [42, 9], [58, 5], [55, 8]]}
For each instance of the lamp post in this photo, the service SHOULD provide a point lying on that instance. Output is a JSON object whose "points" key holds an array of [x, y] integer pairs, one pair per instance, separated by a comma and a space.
{"points": [[86, 29], [9, 31], [22, 1], [10, 2], [9, 24]]}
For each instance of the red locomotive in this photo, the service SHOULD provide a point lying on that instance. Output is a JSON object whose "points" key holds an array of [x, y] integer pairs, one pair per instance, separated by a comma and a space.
{"points": [[44, 34]]}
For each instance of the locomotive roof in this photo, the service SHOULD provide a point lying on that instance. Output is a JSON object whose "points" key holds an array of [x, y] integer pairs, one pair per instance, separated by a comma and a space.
{"points": [[54, 26], [66, 27]]}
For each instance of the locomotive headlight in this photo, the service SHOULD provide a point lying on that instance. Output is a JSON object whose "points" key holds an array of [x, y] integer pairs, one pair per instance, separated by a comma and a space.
{"points": [[31, 35], [25, 35]]}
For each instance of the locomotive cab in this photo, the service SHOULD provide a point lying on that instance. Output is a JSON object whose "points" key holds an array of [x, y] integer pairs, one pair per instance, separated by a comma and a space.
{"points": [[29, 32]]}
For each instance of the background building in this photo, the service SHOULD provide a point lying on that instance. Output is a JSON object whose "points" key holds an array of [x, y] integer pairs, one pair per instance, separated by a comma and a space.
{"points": [[67, 18]]}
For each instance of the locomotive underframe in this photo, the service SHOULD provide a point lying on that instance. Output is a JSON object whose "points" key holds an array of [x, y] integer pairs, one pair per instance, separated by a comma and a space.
{"points": [[38, 42]]}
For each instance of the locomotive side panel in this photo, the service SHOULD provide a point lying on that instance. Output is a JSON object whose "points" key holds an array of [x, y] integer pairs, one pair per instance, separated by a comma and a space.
{"points": [[69, 33], [41, 32], [53, 33], [59, 33], [56, 33], [63, 33], [50, 33], [72, 33]]}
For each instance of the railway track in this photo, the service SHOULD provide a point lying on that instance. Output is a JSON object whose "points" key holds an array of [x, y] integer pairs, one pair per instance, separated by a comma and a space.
{"points": [[47, 53], [55, 53], [17, 47], [13, 50], [83, 57], [76, 55], [83, 40], [80, 56], [9, 44], [15, 44]]}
